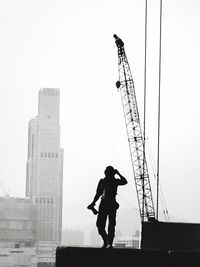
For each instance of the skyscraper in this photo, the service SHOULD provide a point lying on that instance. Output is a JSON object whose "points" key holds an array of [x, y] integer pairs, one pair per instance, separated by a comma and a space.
{"points": [[44, 178]]}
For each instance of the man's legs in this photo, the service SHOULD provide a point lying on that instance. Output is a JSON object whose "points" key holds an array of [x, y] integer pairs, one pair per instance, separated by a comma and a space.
{"points": [[101, 224], [111, 227]]}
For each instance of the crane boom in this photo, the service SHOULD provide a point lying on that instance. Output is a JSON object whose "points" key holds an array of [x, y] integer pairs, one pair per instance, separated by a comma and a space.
{"points": [[134, 133]]}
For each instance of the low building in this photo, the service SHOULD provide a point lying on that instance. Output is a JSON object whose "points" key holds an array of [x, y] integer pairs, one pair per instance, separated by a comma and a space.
{"points": [[18, 218], [72, 237], [127, 242], [19, 257], [46, 253]]}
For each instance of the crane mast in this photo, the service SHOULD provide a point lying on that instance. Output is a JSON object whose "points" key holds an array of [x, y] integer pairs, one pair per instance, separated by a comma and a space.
{"points": [[134, 133]]}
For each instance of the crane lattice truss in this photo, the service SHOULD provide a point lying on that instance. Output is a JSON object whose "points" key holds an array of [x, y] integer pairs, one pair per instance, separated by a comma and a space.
{"points": [[134, 132]]}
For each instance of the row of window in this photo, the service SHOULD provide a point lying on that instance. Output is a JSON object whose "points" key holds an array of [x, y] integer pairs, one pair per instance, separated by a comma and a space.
{"points": [[48, 155], [51, 92], [44, 200], [15, 224]]}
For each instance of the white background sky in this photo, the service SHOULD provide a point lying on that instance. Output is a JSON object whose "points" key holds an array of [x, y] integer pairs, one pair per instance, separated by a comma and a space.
{"points": [[69, 45]]}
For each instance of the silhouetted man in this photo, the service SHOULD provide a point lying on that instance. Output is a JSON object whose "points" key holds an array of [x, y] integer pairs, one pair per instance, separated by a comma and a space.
{"points": [[107, 190]]}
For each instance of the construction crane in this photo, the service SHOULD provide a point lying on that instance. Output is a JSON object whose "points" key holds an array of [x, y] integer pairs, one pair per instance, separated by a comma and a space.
{"points": [[134, 133]]}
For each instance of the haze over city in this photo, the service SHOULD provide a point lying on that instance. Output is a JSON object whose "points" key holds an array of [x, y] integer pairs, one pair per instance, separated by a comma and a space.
{"points": [[69, 45]]}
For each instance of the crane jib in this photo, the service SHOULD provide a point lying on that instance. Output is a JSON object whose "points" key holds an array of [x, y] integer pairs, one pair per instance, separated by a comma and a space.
{"points": [[134, 133]]}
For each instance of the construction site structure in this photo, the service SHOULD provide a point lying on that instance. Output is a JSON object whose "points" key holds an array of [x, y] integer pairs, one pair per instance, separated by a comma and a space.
{"points": [[156, 234], [135, 136]]}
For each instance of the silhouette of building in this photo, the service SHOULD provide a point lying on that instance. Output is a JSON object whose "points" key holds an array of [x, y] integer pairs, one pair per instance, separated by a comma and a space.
{"points": [[72, 237], [44, 179]]}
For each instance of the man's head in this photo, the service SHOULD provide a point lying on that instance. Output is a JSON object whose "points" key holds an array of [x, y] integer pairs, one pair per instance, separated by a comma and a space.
{"points": [[109, 171]]}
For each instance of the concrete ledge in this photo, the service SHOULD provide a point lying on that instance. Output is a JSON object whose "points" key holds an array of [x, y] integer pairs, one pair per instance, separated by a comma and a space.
{"points": [[171, 236], [95, 257]]}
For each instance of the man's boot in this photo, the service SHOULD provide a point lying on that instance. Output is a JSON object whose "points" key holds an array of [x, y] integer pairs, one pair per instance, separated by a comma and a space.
{"points": [[105, 240], [110, 242]]}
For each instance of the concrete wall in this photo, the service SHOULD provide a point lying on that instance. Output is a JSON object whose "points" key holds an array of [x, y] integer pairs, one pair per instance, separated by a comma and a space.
{"points": [[170, 236]]}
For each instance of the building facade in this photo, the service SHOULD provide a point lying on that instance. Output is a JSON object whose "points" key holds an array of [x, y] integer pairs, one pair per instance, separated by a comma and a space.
{"points": [[44, 176]]}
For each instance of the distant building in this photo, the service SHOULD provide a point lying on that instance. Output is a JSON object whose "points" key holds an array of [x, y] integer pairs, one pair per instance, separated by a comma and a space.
{"points": [[72, 237], [117, 234], [127, 242], [18, 218], [137, 233], [44, 179], [96, 240], [46, 254], [20, 257]]}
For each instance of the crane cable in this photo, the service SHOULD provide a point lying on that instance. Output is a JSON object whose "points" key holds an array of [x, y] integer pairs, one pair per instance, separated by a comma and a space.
{"points": [[159, 101], [159, 93], [144, 112], [161, 195]]}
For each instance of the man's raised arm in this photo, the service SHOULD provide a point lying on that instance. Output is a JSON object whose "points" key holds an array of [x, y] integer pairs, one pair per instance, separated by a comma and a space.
{"points": [[122, 180]]}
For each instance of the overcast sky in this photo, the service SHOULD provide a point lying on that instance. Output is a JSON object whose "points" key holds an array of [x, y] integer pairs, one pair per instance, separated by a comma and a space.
{"points": [[70, 45]]}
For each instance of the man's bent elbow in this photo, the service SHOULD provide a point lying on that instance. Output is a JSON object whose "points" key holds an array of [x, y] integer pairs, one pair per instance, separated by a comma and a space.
{"points": [[125, 181]]}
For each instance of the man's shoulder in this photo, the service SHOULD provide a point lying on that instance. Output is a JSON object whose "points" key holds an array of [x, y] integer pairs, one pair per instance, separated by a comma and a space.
{"points": [[101, 181]]}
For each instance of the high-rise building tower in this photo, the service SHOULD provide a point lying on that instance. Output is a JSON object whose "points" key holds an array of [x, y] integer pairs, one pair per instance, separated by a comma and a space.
{"points": [[44, 179]]}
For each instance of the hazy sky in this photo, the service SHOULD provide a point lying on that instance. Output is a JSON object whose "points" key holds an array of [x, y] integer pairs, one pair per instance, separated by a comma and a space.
{"points": [[69, 44]]}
